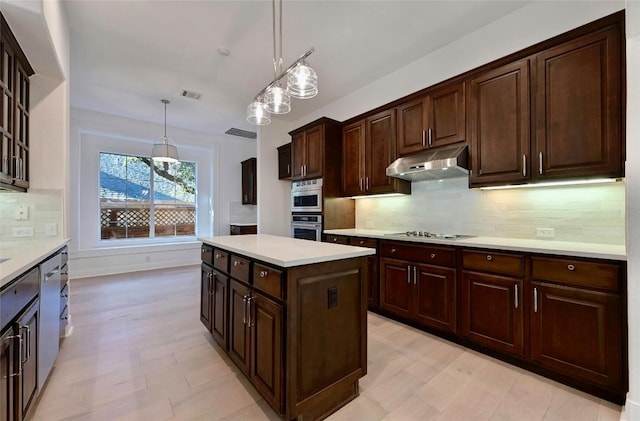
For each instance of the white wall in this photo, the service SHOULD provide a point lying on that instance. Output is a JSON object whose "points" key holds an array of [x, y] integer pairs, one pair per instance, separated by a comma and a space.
{"points": [[219, 184], [274, 196], [633, 206]]}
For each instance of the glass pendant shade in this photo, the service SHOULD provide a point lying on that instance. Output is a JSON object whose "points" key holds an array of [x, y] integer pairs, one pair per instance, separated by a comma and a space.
{"points": [[302, 82], [164, 150], [277, 100], [257, 113]]}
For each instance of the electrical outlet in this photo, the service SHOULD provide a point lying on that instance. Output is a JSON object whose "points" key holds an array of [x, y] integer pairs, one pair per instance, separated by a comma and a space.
{"points": [[22, 213], [51, 230], [22, 231], [369, 224], [545, 232]]}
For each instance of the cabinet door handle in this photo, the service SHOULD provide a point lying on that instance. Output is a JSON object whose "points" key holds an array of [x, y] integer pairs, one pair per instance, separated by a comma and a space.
{"points": [[264, 273], [288, 169], [571, 267], [361, 242], [19, 338], [515, 299], [360, 182], [540, 163], [424, 135], [524, 165], [433, 255], [489, 257], [367, 183], [244, 313], [27, 343], [408, 274], [430, 136], [393, 250], [213, 284], [415, 276], [535, 300], [249, 300]]}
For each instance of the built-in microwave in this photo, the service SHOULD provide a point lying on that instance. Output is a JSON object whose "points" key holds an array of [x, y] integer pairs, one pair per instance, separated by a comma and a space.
{"points": [[307, 227], [306, 196]]}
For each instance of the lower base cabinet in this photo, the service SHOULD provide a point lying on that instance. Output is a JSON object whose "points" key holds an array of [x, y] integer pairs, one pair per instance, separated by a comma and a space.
{"points": [[213, 302]]}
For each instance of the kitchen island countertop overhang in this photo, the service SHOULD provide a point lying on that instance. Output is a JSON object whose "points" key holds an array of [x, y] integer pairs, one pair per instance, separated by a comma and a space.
{"points": [[285, 252]]}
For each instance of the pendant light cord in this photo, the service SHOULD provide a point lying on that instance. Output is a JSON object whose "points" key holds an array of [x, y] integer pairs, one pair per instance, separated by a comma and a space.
{"points": [[165, 119], [277, 55]]}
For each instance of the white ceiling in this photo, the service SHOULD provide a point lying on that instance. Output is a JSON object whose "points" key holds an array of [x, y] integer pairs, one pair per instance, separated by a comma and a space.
{"points": [[127, 55]]}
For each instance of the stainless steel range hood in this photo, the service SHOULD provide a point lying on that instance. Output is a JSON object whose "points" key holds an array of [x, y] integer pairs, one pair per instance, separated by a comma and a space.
{"points": [[431, 165]]}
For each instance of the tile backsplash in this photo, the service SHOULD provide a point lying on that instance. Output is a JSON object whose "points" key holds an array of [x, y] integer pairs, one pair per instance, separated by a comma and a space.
{"points": [[44, 211], [242, 214], [593, 213]]}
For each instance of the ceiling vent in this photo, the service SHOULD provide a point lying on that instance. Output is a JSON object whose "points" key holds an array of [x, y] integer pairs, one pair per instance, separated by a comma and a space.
{"points": [[190, 94], [242, 133]]}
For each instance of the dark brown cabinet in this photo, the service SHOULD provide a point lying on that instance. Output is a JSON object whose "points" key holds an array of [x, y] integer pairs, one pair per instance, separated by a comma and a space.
{"points": [[243, 229], [307, 152], [578, 106], [499, 125], [492, 306], [368, 147], [373, 284], [238, 327], [27, 327], [15, 71], [284, 162], [437, 119], [249, 184], [577, 320], [415, 287], [206, 275]]}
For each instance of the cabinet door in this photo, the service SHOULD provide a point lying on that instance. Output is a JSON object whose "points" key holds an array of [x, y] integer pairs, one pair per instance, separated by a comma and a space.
{"points": [[7, 367], [314, 144], [446, 116], [353, 159], [249, 196], [578, 332], [219, 298], [435, 297], [27, 327], [7, 111], [206, 274], [380, 146], [500, 125], [396, 286], [297, 155], [284, 162], [578, 107], [372, 282], [412, 126], [238, 325], [267, 363], [492, 312]]}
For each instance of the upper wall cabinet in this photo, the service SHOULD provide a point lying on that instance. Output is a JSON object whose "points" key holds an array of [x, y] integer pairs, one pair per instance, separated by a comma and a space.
{"points": [[557, 114], [312, 147], [499, 125], [578, 107], [15, 71], [368, 147], [249, 183], [284, 162], [435, 120]]}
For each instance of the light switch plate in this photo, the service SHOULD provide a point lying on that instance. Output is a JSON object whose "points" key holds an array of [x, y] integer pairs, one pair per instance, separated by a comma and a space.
{"points": [[51, 230], [22, 213], [545, 232], [22, 231]]}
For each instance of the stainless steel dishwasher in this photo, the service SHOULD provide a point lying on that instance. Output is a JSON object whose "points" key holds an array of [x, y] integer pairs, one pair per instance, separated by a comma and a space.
{"points": [[49, 332]]}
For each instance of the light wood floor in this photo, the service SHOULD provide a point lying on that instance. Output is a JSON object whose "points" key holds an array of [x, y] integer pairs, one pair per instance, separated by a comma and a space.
{"points": [[139, 352]]}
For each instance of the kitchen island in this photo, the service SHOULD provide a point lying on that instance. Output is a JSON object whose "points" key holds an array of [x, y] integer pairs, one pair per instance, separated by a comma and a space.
{"points": [[292, 315]]}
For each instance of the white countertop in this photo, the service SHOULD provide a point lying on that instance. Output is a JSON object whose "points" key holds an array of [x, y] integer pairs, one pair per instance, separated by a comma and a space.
{"points": [[243, 224], [285, 251], [564, 248], [23, 255]]}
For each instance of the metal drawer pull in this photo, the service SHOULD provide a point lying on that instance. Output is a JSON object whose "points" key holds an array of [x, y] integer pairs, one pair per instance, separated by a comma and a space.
{"points": [[535, 300], [393, 250], [524, 165], [27, 343], [367, 183], [361, 242], [571, 267], [236, 263], [244, 313], [430, 137], [264, 273], [204, 250], [516, 296], [489, 257], [433, 255], [218, 255], [19, 338], [249, 300], [335, 239], [540, 168], [360, 181], [424, 134], [408, 274], [415, 277]]}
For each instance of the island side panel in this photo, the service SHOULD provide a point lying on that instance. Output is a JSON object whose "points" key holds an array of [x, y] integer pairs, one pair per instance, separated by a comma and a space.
{"points": [[327, 343]]}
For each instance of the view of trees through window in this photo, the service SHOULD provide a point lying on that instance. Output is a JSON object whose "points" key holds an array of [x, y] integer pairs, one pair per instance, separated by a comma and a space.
{"points": [[141, 198]]}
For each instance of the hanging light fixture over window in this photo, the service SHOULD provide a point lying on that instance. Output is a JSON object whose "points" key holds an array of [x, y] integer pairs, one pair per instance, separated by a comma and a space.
{"points": [[164, 149], [301, 81]]}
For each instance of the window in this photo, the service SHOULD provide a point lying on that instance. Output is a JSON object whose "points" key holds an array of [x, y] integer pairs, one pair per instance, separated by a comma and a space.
{"points": [[140, 198]]}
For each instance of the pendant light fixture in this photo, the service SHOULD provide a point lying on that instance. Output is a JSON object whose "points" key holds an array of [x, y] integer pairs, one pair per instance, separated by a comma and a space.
{"points": [[301, 81], [164, 149]]}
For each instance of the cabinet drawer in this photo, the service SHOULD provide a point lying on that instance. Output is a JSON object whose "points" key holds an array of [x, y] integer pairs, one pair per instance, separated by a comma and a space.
{"points": [[441, 256], [337, 239], [206, 254], [488, 261], [18, 294], [221, 260], [239, 268], [363, 242], [577, 272], [267, 280]]}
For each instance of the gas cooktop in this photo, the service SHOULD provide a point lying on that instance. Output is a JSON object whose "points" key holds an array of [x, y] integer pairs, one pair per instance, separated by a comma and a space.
{"points": [[427, 235]]}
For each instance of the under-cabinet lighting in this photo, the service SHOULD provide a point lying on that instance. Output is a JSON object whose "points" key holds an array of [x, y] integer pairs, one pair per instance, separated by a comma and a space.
{"points": [[554, 184], [370, 196]]}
